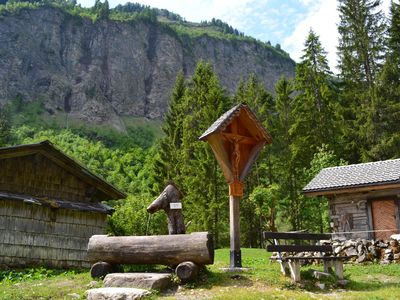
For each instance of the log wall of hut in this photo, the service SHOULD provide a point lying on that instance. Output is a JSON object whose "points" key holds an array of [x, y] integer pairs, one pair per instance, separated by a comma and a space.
{"points": [[39, 176], [32, 235], [351, 212]]}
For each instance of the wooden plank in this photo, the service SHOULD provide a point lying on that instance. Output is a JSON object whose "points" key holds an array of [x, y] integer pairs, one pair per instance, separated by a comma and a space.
{"points": [[299, 248], [253, 155], [308, 258], [296, 236]]}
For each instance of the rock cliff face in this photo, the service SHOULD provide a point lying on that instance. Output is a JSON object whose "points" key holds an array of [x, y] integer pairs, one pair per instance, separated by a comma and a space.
{"points": [[104, 70]]}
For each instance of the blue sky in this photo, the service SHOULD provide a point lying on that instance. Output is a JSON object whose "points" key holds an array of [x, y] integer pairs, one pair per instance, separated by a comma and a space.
{"points": [[286, 22]]}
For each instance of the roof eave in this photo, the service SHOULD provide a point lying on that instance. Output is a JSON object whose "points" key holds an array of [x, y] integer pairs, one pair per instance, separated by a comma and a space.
{"points": [[352, 189], [221, 124]]}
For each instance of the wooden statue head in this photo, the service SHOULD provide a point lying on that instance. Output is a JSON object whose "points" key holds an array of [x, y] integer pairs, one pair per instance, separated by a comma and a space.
{"points": [[165, 201], [169, 195]]}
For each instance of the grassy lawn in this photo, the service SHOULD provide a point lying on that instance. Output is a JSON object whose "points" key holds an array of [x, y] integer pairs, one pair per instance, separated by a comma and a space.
{"points": [[262, 281]]}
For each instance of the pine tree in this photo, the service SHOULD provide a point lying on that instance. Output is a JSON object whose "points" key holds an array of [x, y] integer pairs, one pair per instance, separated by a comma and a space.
{"points": [[362, 36], [388, 111], [314, 106], [167, 163], [202, 181], [285, 172], [313, 123]]}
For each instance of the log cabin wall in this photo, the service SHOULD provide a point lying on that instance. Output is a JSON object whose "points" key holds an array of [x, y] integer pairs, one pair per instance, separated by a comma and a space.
{"points": [[351, 212], [34, 235]]}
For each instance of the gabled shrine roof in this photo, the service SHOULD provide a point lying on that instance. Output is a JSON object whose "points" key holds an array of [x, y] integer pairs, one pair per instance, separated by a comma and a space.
{"points": [[223, 121]]}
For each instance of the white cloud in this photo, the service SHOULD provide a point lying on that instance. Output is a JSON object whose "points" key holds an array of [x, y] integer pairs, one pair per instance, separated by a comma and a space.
{"points": [[322, 18]]}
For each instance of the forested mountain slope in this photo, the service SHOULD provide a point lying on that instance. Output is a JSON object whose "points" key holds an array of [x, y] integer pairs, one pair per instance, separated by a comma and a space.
{"points": [[99, 70]]}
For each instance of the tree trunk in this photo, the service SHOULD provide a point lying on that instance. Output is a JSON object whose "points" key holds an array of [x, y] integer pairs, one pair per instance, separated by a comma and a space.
{"points": [[187, 271], [168, 250]]}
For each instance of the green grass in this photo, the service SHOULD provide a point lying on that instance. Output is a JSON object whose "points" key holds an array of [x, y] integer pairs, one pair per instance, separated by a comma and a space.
{"points": [[44, 284], [262, 281]]}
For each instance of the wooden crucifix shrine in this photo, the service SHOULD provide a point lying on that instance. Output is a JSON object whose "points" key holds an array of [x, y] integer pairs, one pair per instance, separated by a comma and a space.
{"points": [[236, 139]]}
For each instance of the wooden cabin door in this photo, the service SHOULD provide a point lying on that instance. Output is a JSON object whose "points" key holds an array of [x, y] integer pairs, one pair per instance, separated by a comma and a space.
{"points": [[384, 216]]}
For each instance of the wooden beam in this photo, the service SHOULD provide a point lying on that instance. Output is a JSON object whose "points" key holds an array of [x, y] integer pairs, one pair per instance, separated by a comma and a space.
{"points": [[221, 155], [11, 153], [241, 139], [251, 159], [234, 225]]}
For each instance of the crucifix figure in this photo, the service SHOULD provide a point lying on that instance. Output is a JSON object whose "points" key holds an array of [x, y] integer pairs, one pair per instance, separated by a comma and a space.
{"points": [[236, 139]]}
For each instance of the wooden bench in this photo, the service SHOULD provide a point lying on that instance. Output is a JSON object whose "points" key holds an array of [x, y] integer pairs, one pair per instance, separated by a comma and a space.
{"points": [[290, 264]]}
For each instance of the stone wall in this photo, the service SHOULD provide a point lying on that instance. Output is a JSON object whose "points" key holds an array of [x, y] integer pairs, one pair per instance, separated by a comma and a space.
{"points": [[363, 250]]}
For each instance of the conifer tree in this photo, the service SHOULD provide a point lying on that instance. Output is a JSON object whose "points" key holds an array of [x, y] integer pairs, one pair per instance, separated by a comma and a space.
{"points": [[167, 165], [283, 162], [314, 106], [362, 36], [312, 123], [388, 111], [203, 184]]}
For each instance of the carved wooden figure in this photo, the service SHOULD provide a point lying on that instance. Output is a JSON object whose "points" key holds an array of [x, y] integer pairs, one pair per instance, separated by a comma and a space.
{"points": [[170, 201]]}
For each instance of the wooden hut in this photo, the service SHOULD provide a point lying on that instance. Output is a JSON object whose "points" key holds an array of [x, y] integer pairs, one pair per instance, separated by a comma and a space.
{"points": [[50, 206], [362, 198]]}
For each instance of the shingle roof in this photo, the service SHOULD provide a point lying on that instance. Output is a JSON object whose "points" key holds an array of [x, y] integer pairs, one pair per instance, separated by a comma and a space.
{"points": [[64, 161], [224, 120], [357, 175]]}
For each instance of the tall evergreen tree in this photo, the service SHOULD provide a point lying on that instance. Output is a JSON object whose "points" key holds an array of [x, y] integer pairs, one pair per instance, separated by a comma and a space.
{"points": [[167, 163], [362, 36], [314, 106], [202, 181], [388, 111], [285, 171], [313, 122]]}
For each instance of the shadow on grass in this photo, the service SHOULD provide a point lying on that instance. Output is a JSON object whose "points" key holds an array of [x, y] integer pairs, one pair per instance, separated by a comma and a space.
{"points": [[370, 285], [208, 279]]}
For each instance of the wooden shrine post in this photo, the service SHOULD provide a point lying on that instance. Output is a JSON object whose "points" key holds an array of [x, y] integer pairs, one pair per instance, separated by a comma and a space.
{"points": [[236, 139]]}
